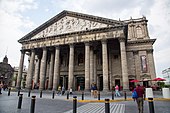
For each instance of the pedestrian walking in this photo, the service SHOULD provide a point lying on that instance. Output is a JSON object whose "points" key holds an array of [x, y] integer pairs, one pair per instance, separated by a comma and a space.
{"points": [[92, 90], [117, 91], [95, 91], [59, 90], [0, 88], [63, 90], [140, 92], [71, 91]]}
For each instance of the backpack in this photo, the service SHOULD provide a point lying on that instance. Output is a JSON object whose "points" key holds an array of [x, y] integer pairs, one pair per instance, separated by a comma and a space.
{"points": [[134, 94]]}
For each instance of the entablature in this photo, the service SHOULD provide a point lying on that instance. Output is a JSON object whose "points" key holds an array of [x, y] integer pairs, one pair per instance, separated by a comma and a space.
{"points": [[76, 37]]}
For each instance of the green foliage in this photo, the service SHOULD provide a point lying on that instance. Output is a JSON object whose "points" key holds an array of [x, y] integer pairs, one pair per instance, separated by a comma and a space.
{"points": [[167, 86], [161, 84]]}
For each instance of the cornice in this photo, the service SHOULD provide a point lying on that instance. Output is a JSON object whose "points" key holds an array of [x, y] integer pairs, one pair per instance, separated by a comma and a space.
{"points": [[136, 42]]}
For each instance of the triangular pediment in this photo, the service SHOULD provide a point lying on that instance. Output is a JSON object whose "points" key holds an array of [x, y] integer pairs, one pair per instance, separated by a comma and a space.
{"points": [[68, 22]]}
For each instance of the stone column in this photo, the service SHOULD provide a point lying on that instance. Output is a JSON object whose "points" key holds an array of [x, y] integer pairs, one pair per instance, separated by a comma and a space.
{"points": [[56, 68], [64, 81], [124, 64], [30, 70], [37, 69], [43, 69], [145, 29], [19, 77], [95, 67], [87, 66], [71, 67], [151, 64], [51, 71], [133, 31], [91, 66], [110, 71], [98, 82], [130, 31], [105, 66], [48, 69], [137, 64]]}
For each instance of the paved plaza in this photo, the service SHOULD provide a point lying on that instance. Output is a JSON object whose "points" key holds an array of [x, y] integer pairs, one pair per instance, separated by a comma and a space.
{"points": [[8, 104]]}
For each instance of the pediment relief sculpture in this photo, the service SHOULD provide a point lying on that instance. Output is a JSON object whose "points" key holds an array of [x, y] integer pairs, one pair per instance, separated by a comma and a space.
{"points": [[68, 24]]}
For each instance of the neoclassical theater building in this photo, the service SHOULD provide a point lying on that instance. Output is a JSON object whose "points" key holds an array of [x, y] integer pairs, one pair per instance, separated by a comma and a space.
{"points": [[74, 49]]}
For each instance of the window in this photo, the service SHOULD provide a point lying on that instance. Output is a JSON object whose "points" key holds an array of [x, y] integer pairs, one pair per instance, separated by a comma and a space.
{"points": [[143, 63], [80, 59], [139, 32]]}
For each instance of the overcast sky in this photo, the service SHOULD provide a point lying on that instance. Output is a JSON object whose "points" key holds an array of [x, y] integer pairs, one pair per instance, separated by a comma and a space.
{"points": [[19, 17]]}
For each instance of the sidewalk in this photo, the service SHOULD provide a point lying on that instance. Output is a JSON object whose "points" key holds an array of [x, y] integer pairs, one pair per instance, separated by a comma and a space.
{"points": [[8, 104]]}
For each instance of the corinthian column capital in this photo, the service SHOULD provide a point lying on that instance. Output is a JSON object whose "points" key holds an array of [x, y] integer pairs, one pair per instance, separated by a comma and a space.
{"points": [[121, 39], [22, 51], [104, 41], [149, 51]]}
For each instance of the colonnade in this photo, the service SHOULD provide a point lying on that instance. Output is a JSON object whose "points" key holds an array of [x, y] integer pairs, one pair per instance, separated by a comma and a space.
{"points": [[54, 70]]}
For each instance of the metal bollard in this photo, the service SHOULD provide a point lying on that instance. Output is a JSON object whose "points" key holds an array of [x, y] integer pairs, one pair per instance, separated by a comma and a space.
{"points": [[18, 92], [98, 95], [107, 106], [20, 101], [53, 95], [9, 90], [75, 104], [41, 94], [32, 104], [112, 95], [29, 92], [67, 95], [151, 105], [82, 95], [144, 96], [125, 95]]}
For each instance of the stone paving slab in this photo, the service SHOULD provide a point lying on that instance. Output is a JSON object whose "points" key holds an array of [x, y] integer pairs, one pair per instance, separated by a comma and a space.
{"points": [[8, 104], [99, 108]]}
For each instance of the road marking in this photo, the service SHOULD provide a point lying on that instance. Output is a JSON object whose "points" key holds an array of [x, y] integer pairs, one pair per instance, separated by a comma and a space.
{"points": [[99, 108]]}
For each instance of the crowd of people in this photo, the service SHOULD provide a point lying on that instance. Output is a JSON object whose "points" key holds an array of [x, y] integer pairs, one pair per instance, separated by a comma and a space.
{"points": [[4, 87]]}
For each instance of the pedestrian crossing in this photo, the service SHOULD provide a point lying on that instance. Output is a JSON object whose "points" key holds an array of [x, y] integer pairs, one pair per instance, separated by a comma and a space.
{"points": [[99, 108]]}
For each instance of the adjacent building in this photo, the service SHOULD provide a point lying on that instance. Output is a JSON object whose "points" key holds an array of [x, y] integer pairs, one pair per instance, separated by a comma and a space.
{"points": [[23, 79], [166, 76], [6, 72], [74, 49]]}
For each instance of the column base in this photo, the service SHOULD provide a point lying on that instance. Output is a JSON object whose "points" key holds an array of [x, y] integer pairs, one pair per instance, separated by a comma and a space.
{"points": [[54, 89], [41, 89], [105, 90], [49, 88], [87, 90], [126, 90], [29, 88], [18, 88]]}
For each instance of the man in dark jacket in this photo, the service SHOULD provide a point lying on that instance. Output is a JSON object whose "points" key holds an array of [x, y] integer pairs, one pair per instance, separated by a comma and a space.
{"points": [[140, 92]]}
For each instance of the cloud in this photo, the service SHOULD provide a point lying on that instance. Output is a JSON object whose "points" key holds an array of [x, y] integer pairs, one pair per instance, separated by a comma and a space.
{"points": [[109, 8], [12, 24], [159, 22]]}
